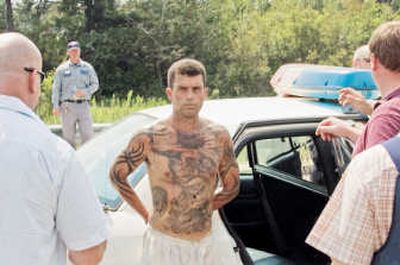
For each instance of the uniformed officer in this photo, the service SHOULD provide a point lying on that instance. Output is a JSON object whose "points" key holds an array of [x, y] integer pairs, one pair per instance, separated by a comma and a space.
{"points": [[75, 81]]}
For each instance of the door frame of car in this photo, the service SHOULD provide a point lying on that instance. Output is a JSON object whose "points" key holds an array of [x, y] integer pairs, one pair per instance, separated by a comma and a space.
{"points": [[251, 131]]}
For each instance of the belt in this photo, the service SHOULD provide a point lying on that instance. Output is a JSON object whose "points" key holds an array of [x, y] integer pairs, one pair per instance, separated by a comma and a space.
{"points": [[79, 101]]}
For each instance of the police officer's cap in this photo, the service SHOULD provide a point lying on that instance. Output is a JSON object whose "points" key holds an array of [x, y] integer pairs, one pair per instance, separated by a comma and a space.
{"points": [[73, 45]]}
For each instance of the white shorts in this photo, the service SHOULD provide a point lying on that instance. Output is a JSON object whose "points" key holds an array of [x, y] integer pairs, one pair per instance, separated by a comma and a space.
{"points": [[162, 249]]}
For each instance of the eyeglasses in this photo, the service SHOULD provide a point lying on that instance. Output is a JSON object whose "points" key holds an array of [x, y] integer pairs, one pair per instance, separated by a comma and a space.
{"points": [[33, 70]]}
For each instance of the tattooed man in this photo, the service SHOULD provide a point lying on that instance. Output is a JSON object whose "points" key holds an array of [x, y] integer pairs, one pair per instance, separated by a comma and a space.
{"points": [[186, 156]]}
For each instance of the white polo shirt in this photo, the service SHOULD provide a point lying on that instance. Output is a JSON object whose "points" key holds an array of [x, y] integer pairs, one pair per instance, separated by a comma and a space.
{"points": [[47, 203]]}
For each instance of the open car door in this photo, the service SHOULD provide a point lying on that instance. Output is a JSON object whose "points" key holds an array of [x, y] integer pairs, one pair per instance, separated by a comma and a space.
{"points": [[286, 177]]}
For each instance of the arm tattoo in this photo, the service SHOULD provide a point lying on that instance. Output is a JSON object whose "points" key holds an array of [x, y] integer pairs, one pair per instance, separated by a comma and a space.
{"points": [[128, 160], [229, 174], [132, 158], [125, 164], [228, 161]]}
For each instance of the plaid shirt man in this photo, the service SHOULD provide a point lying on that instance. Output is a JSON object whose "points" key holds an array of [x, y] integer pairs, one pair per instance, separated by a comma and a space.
{"points": [[357, 219]]}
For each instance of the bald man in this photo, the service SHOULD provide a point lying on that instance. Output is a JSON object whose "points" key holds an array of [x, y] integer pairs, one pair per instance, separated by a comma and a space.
{"points": [[47, 203]]}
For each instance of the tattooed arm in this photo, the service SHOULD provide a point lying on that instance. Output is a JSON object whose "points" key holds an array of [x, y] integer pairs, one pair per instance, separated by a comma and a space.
{"points": [[229, 175], [126, 163]]}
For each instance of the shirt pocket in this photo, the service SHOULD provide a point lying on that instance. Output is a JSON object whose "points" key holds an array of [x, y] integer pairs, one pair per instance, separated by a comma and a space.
{"points": [[67, 73], [84, 71], [84, 77]]}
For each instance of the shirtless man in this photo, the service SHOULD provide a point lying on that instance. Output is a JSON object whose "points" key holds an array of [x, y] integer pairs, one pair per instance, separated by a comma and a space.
{"points": [[186, 156]]}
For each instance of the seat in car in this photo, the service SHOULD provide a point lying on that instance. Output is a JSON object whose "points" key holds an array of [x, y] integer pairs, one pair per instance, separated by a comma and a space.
{"points": [[264, 258]]}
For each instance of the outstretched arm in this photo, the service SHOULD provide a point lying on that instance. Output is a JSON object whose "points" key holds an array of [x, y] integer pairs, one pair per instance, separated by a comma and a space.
{"points": [[129, 159], [356, 100], [229, 174], [333, 127]]}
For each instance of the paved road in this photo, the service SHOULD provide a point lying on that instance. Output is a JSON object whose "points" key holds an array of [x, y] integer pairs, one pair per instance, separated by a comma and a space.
{"points": [[98, 127]]}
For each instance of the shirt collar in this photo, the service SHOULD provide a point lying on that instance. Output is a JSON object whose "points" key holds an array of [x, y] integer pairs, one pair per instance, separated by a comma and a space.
{"points": [[16, 105], [394, 94], [75, 64]]}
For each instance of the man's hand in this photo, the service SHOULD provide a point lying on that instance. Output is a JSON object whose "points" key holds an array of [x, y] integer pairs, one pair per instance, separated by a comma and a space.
{"points": [[80, 93], [56, 112], [349, 96], [333, 127]]}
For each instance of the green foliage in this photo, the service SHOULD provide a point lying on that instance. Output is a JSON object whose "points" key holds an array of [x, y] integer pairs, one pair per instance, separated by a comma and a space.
{"points": [[2, 15], [105, 110], [117, 108], [45, 107], [132, 43]]}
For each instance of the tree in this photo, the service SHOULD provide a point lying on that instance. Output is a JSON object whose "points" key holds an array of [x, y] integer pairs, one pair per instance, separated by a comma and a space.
{"points": [[9, 16], [95, 14], [132, 43]]}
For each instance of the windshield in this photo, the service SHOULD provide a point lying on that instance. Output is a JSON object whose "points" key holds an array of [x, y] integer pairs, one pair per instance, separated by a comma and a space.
{"points": [[98, 155]]}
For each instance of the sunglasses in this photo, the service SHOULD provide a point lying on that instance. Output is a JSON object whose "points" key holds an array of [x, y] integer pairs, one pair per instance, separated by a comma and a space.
{"points": [[33, 70]]}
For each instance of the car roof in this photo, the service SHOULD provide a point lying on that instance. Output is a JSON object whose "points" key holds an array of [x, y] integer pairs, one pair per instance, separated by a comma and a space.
{"points": [[235, 111]]}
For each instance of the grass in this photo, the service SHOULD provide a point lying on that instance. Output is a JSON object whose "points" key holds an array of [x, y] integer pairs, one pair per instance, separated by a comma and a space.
{"points": [[103, 111], [106, 110]]}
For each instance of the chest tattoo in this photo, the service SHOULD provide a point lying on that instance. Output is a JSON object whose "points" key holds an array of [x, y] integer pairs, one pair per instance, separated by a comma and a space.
{"points": [[192, 162]]}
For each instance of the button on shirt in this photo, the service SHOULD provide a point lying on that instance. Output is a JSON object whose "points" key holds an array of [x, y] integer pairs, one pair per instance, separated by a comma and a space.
{"points": [[69, 77], [47, 203], [357, 219]]}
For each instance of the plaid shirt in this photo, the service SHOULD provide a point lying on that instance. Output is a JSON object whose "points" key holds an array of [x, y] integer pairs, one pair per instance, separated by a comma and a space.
{"points": [[356, 221]]}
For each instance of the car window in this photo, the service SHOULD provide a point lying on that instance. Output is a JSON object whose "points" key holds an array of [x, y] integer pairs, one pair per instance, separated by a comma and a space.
{"points": [[268, 149], [98, 155], [295, 155], [243, 162], [342, 149]]}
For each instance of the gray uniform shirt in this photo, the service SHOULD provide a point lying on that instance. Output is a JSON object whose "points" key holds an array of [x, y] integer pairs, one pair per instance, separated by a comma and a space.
{"points": [[69, 77]]}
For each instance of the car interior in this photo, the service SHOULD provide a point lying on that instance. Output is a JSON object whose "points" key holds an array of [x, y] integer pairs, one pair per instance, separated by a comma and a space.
{"points": [[286, 180]]}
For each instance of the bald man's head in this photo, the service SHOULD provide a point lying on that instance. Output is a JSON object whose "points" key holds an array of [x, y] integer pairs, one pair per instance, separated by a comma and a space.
{"points": [[16, 53]]}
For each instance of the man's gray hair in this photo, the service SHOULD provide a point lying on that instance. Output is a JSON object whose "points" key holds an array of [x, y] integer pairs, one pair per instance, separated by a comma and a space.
{"points": [[362, 53]]}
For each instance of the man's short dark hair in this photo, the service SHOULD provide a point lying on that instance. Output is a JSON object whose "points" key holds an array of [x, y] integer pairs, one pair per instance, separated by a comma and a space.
{"points": [[385, 45], [188, 67]]}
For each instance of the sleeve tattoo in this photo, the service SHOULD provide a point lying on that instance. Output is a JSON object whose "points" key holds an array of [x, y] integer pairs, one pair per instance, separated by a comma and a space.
{"points": [[125, 163], [229, 175]]}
